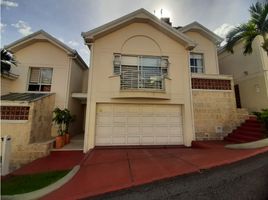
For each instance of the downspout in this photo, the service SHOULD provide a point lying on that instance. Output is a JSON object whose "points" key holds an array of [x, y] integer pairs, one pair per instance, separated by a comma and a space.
{"points": [[68, 83], [89, 96]]}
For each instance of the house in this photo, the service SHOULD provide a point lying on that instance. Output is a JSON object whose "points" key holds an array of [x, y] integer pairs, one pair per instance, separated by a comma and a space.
{"points": [[49, 74], [250, 74], [46, 65], [153, 84]]}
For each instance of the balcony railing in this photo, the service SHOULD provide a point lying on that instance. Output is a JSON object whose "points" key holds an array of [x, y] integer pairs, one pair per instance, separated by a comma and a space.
{"points": [[152, 79]]}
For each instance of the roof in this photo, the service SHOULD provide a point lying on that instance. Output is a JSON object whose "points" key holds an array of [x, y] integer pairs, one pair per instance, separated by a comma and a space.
{"points": [[42, 35], [140, 15], [28, 97], [203, 30]]}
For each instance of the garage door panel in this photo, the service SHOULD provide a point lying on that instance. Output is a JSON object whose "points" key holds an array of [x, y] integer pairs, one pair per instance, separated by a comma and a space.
{"points": [[147, 140], [133, 130], [118, 130], [102, 120], [100, 140], [161, 140], [147, 129], [174, 139], [134, 120], [133, 140], [138, 124], [119, 140], [119, 119], [104, 130]]}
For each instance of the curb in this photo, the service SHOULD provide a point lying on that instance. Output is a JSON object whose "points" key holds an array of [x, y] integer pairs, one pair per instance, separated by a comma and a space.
{"points": [[249, 145], [44, 191]]}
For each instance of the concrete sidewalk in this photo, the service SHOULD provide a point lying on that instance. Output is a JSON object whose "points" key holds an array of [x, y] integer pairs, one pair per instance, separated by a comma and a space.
{"points": [[107, 170]]}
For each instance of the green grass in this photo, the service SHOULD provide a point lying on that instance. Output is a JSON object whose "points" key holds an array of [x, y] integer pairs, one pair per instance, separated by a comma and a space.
{"points": [[28, 183]]}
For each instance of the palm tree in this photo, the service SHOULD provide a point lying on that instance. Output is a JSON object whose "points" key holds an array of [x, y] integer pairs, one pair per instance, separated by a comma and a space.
{"points": [[7, 60], [247, 32]]}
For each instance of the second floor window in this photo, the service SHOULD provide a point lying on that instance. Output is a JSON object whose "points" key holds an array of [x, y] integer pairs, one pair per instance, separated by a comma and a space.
{"points": [[141, 72], [196, 63], [40, 79]]}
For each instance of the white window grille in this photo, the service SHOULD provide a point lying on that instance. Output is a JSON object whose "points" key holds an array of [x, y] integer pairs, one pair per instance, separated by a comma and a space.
{"points": [[141, 72], [196, 63]]}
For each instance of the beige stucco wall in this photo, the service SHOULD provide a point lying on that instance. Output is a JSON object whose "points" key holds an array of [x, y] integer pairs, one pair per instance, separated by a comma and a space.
{"points": [[249, 72], [5, 85], [208, 49], [68, 75], [74, 105], [29, 138], [138, 39], [43, 54]]}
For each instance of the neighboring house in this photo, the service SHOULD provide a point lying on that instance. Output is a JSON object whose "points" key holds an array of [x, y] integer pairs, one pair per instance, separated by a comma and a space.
{"points": [[142, 91], [45, 66], [250, 74]]}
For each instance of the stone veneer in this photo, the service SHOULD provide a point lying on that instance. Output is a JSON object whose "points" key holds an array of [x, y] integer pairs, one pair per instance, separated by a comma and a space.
{"points": [[215, 109], [30, 139]]}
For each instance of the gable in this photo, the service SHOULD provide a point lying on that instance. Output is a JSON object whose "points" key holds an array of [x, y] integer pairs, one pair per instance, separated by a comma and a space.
{"points": [[196, 27], [139, 16], [137, 39]]}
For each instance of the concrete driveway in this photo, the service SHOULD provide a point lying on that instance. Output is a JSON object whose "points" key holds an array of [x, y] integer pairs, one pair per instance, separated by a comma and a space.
{"points": [[107, 170]]}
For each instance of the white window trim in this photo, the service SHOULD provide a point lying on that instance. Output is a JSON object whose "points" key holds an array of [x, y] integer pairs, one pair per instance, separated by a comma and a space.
{"points": [[29, 76], [203, 62]]}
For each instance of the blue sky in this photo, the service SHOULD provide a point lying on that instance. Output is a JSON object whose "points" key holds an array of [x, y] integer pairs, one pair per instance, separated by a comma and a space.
{"points": [[66, 19]]}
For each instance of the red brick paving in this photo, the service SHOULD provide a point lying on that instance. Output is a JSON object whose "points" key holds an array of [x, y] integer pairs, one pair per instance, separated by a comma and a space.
{"points": [[107, 170], [57, 160]]}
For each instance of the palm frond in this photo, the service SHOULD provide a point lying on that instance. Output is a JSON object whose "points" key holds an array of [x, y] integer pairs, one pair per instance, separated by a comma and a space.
{"points": [[259, 16], [234, 36]]}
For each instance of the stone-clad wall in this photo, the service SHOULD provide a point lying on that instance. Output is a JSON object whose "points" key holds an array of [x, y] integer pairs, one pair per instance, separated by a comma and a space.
{"points": [[30, 139], [215, 109]]}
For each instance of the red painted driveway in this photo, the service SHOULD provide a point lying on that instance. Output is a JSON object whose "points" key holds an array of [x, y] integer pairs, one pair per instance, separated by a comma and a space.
{"points": [[106, 170]]}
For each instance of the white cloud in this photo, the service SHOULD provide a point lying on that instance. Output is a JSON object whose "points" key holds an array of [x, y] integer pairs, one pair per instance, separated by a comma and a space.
{"points": [[60, 39], [23, 27], [7, 3], [2, 27], [84, 53], [223, 30], [73, 43]]}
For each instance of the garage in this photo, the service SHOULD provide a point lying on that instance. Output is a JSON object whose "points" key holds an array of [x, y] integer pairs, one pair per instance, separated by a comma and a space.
{"points": [[138, 124]]}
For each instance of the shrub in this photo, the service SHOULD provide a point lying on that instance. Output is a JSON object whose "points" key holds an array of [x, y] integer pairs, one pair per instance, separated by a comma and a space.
{"points": [[263, 116]]}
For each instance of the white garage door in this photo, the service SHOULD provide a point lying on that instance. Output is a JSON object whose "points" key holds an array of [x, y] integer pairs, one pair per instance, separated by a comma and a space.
{"points": [[136, 124]]}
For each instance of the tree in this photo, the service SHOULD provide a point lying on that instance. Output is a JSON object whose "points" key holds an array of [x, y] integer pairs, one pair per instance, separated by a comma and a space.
{"points": [[247, 32], [7, 60]]}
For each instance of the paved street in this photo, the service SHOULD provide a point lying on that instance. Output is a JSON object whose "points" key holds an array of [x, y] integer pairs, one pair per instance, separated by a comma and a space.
{"points": [[244, 180]]}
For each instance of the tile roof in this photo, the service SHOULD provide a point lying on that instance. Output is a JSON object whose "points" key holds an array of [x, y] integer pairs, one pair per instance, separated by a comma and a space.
{"points": [[29, 97]]}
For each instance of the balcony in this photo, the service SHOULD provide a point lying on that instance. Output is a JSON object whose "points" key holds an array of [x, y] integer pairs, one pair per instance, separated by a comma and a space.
{"points": [[149, 80]]}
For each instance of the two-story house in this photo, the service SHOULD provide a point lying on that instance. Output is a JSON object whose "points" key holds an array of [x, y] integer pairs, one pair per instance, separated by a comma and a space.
{"points": [[250, 74], [154, 84], [48, 74], [47, 65]]}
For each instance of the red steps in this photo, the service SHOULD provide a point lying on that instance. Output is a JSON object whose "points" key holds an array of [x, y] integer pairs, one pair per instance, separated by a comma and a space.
{"points": [[251, 130]]}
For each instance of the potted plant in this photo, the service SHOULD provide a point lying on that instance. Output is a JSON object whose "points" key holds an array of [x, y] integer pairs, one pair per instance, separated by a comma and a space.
{"points": [[58, 119], [68, 118]]}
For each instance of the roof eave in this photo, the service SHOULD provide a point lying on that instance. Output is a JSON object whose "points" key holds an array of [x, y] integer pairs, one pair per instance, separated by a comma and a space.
{"points": [[93, 34], [199, 27]]}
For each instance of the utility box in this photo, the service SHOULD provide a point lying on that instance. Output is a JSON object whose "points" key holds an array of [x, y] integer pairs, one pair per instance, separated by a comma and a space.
{"points": [[5, 154]]}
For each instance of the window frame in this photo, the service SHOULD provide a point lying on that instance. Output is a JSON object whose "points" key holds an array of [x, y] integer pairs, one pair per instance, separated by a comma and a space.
{"points": [[138, 57], [164, 70], [196, 67], [40, 84]]}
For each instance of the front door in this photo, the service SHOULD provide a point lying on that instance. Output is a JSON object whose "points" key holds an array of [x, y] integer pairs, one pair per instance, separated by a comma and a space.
{"points": [[237, 96]]}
